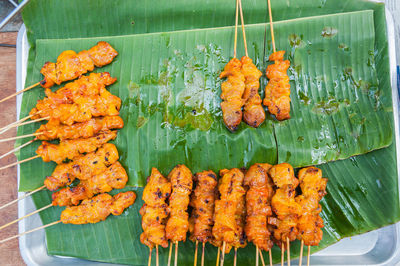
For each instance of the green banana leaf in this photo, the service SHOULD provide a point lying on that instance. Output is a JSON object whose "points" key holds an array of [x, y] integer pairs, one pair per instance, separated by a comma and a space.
{"points": [[357, 185], [169, 87]]}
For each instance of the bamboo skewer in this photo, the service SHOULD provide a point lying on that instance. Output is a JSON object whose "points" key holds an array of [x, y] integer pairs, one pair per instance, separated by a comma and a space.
{"points": [[195, 253], [156, 255], [149, 260], [301, 252], [23, 197], [270, 257], [288, 251], [282, 253], [26, 216], [217, 263], [308, 256], [16, 149], [202, 254], [235, 257], [262, 258], [30, 231], [176, 254], [271, 26], [24, 123], [243, 30], [236, 24], [23, 136], [5, 128], [19, 92], [19, 162], [256, 255], [170, 253], [223, 253]]}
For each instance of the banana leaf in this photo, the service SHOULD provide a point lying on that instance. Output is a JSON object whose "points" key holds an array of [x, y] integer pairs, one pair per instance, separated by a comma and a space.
{"points": [[356, 187], [169, 87]]}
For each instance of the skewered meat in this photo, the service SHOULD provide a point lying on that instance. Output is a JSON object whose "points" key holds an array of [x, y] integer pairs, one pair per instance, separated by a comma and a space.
{"points": [[155, 210], [313, 188], [254, 113], [258, 205], [83, 167], [202, 202], [69, 149], [114, 177], [181, 179], [72, 92], [98, 208], [82, 110], [277, 91], [232, 92], [53, 130], [226, 207], [71, 65], [284, 204]]}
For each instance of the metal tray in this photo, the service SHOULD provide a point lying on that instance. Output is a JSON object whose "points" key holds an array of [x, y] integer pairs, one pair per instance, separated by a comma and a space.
{"points": [[379, 247]]}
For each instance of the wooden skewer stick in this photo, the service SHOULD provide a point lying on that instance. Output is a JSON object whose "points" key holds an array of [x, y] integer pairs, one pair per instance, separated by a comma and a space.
{"points": [[262, 258], [288, 251], [30, 231], [170, 253], [23, 136], [301, 252], [236, 24], [202, 254], [271, 26], [235, 257], [195, 253], [256, 255], [282, 253], [4, 129], [223, 253], [26, 123], [176, 254], [270, 257], [26, 216], [19, 92], [243, 30], [308, 256], [19, 162], [156, 255], [16, 149], [217, 263], [23, 197], [149, 260]]}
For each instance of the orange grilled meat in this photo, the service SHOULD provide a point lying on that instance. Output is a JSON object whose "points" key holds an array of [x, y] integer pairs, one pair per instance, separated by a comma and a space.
{"points": [[283, 203], [240, 218], [258, 205], [155, 210], [83, 167], [277, 91], [232, 93], [72, 92], [114, 177], [54, 130], [254, 114], [82, 110], [228, 206], [69, 149], [181, 179], [202, 201], [98, 208], [71, 65], [313, 190]]}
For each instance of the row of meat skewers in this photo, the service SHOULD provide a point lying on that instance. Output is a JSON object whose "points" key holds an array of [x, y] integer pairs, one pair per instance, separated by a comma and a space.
{"points": [[260, 205], [82, 116]]}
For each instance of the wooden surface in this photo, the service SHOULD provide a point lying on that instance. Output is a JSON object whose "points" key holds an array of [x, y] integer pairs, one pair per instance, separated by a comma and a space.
{"points": [[9, 251]]}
